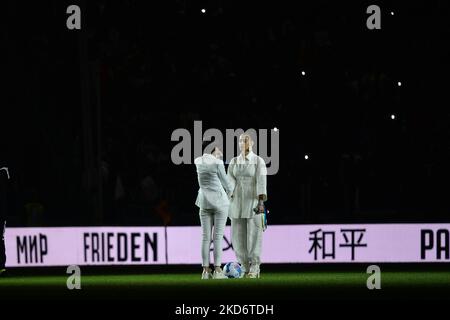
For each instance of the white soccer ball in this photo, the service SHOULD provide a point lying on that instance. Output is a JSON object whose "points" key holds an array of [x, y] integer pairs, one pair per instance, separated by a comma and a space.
{"points": [[232, 270]]}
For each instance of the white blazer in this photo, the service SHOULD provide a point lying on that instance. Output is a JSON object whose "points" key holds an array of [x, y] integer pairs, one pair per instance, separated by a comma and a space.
{"points": [[248, 178], [213, 182]]}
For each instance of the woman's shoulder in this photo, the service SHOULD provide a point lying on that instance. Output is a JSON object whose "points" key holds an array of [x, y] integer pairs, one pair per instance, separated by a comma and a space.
{"points": [[260, 160]]}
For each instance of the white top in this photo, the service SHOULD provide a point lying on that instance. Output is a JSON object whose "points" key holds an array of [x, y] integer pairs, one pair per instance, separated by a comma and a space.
{"points": [[248, 178], [213, 182]]}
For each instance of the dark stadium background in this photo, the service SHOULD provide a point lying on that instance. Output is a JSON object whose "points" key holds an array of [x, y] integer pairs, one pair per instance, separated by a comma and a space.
{"points": [[83, 110]]}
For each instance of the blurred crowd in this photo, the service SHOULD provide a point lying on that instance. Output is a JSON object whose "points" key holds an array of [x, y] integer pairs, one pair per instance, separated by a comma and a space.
{"points": [[377, 150]]}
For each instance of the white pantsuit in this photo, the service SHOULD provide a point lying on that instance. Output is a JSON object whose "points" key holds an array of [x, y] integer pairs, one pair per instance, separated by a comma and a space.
{"points": [[248, 179], [213, 202], [218, 220]]}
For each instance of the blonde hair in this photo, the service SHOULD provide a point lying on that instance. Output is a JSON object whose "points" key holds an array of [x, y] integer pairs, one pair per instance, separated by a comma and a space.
{"points": [[250, 140]]}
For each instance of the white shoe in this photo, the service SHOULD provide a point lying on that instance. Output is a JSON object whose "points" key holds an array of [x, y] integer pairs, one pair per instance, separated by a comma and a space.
{"points": [[244, 272], [219, 275], [206, 275], [253, 275], [254, 272]]}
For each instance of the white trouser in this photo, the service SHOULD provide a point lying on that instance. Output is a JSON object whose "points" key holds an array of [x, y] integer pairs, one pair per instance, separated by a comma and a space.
{"points": [[208, 219], [246, 237]]}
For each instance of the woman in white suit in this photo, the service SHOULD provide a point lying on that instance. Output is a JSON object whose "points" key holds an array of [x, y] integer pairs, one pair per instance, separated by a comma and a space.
{"points": [[247, 174], [213, 202]]}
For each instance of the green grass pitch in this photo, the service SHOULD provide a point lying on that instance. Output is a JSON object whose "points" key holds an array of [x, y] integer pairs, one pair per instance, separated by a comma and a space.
{"points": [[271, 286]]}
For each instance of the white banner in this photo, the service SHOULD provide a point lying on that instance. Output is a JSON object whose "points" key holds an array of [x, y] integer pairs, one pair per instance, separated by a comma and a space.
{"points": [[181, 245]]}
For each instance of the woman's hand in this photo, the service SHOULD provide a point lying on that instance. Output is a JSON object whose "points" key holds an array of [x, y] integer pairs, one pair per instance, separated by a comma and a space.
{"points": [[261, 207]]}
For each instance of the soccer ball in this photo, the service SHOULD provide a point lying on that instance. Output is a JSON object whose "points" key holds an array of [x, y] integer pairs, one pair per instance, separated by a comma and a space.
{"points": [[232, 270]]}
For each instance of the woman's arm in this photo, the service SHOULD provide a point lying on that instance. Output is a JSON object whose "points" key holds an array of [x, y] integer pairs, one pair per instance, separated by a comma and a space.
{"points": [[231, 177], [223, 178], [261, 183], [261, 180]]}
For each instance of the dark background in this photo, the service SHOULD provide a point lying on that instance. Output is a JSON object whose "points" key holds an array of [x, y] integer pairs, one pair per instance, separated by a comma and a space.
{"points": [[87, 115]]}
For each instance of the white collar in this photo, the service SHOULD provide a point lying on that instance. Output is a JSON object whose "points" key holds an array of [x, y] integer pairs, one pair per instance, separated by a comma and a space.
{"points": [[206, 158], [208, 155], [248, 157]]}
